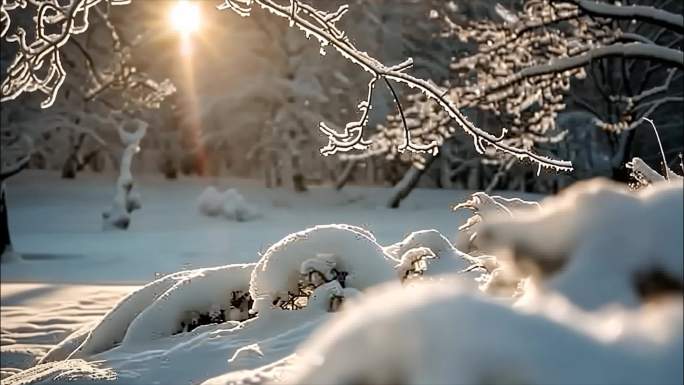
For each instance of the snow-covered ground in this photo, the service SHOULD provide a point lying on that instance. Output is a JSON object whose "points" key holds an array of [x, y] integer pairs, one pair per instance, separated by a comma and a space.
{"points": [[37, 316], [58, 224], [585, 288], [72, 271]]}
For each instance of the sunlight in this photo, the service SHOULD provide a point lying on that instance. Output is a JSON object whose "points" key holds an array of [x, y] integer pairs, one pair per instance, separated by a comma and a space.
{"points": [[185, 17]]}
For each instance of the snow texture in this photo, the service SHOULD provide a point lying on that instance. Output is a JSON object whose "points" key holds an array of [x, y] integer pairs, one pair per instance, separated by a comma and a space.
{"points": [[402, 332]]}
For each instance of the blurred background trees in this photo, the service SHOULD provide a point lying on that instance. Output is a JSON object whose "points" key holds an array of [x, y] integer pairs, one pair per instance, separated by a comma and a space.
{"points": [[251, 92]]}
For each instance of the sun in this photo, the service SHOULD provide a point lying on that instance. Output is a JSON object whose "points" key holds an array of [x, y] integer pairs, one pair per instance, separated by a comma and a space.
{"points": [[185, 17]]}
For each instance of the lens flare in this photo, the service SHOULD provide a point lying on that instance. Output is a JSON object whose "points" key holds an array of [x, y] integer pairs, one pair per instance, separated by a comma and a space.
{"points": [[185, 17]]}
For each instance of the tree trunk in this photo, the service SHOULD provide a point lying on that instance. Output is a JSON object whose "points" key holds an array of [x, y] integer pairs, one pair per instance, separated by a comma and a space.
{"points": [[298, 181], [346, 175], [5, 240], [407, 183]]}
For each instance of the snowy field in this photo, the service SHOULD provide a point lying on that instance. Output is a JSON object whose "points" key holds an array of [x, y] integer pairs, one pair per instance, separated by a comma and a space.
{"points": [[58, 224], [72, 272], [584, 289]]}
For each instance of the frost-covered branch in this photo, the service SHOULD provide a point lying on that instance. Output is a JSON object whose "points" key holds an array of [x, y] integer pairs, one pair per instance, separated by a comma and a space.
{"points": [[322, 26], [37, 65], [629, 50]]}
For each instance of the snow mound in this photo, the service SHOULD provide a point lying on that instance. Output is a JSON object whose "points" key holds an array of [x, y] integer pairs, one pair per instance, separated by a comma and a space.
{"points": [[201, 291], [158, 310], [402, 332], [230, 204], [111, 329], [598, 243], [328, 250]]}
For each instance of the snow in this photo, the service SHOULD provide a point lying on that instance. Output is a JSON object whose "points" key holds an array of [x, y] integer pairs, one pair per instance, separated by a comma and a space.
{"points": [[170, 235], [167, 235], [336, 246], [444, 257], [609, 236], [126, 199], [573, 294], [230, 204], [35, 316], [440, 333]]}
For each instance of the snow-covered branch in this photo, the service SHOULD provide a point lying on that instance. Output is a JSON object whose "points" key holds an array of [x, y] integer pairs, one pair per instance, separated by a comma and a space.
{"points": [[38, 64]]}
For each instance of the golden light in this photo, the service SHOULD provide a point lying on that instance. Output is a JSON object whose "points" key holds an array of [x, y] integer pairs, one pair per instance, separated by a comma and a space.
{"points": [[185, 17]]}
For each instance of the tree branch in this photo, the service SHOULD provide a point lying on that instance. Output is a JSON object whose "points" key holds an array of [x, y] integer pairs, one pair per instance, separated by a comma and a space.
{"points": [[630, 50], [639, 12]]}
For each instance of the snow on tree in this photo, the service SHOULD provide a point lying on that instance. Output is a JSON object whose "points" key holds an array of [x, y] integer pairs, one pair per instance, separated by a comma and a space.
{"points": [[46, 38], [126, 199], [484, 207], [103, 76], [313, 22]]}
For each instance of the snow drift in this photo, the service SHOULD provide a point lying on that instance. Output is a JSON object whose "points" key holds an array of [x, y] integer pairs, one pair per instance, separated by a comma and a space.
{"points": [[586, 266]]}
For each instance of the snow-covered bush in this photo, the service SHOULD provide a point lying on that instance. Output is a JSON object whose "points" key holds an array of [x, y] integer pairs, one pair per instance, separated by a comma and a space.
{"points": [[485, 206], [598, 243], [643, 175], [431, 251], [160, 309], [230, 204], [441, 333], [201, 291], [321, 254]]}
